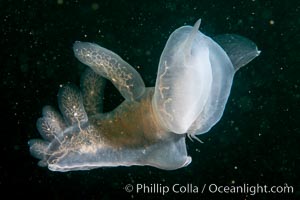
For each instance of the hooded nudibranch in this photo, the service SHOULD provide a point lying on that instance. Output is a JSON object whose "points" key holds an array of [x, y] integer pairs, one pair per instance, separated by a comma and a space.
{"points": [[193, 83]]}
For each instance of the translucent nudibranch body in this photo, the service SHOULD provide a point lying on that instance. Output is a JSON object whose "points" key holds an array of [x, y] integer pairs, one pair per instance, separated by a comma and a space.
{"points": [[193, 84]]}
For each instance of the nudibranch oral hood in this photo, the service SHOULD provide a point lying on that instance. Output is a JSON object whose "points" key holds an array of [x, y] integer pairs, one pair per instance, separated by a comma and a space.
{"points": [[193, 83]]}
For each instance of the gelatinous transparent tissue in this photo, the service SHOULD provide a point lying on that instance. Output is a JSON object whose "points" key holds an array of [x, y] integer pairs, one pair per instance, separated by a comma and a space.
{"points": [[193, 83]]}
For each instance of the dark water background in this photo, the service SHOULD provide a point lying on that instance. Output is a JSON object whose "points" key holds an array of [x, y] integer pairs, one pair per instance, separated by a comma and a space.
{"points": [[256, 141]]}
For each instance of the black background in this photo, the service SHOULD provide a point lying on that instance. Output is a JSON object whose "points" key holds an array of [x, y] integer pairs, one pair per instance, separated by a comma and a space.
{"points": [[256, 141]]}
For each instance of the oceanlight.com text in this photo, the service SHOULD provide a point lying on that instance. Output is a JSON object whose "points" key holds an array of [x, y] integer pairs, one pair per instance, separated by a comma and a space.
{"points": [[189, 188]]}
